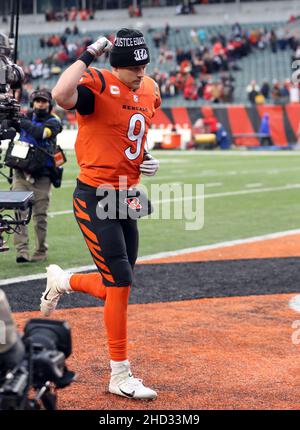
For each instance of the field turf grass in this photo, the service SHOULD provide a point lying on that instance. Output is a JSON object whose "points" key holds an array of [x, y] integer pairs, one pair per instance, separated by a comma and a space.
{"points": [[256, 194]]}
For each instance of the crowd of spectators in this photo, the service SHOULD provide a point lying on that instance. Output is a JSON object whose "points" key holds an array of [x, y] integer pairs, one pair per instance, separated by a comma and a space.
{"points": [[186, 7], [185, 83], [58, 40], [277, 92], [193, 74], [207, 71], [65, 54], [71, 14], [135, 9]]}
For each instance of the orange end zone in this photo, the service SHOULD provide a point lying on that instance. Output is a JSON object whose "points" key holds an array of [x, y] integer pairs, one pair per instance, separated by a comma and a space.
{"points": [[225, 353], [287, 246]]}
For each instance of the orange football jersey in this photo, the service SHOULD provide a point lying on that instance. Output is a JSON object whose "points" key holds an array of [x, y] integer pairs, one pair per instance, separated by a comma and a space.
{"points": [[110, 141]]}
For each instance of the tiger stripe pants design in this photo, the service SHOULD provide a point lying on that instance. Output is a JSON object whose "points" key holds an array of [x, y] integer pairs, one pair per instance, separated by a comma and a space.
{"points": [[113, 245]]}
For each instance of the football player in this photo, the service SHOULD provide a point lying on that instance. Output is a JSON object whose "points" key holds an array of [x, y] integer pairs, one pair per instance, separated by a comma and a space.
{"points": [[114, 111]]}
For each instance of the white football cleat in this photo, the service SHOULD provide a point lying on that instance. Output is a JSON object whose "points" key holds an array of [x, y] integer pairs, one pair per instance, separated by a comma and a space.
{"points": [[57, 285], [124, 384]]}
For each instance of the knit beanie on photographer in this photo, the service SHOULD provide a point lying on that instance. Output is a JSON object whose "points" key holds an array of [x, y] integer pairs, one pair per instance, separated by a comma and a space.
{"points": [[129, 49]]}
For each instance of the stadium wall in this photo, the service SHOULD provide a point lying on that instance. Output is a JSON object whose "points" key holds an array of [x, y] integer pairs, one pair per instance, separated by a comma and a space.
{"points": [[236, 119], [206, 14]]}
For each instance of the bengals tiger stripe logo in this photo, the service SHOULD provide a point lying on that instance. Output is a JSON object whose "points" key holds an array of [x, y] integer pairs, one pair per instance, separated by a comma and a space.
{"points": [[133, 203]]}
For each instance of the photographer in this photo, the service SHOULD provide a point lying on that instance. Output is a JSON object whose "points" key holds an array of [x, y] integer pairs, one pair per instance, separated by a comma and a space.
{"points": [[40, 129]]}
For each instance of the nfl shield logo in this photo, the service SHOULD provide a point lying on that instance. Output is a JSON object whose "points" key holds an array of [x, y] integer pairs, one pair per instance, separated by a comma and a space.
{"points": [[135, 98]]}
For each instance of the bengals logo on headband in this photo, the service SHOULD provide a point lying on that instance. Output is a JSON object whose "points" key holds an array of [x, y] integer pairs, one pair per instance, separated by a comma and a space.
{"points": [[140, 54]]}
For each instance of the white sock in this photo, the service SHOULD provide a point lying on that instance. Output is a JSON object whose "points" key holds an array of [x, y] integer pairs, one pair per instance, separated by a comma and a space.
{"points": [[119, 366], [65, 286]]}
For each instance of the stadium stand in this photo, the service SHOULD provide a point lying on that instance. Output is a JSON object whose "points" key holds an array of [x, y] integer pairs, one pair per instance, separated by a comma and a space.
{"points": [[259, 64], [260, 58]]}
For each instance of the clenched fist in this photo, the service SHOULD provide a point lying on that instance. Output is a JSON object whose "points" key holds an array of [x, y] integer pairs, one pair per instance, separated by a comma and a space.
{"points": [[99, 47]]}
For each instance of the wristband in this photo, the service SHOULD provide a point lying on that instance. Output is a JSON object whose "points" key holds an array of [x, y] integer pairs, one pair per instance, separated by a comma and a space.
{"points": [[86, 57], [147, 155]]}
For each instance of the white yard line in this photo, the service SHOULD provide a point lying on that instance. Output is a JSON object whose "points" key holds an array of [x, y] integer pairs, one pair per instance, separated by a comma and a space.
{"points": [[58, 213], [231, 193], [69, 183], [229, 153], [294, 303], [160, 255], [213, 184], [253, 185], [221, 245], [28, 278], [171, 160]]}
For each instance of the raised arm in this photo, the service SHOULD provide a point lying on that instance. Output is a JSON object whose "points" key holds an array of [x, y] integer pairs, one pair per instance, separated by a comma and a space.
{"points": [[65, 91]]}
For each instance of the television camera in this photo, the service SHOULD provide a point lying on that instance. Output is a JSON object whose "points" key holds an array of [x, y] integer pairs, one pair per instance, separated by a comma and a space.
{"points": [[33, 362], [11, 77]]}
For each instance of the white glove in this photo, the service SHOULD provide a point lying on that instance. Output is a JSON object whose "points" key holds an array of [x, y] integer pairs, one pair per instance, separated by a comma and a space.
{"points": [[149, 166], [101, 45]]}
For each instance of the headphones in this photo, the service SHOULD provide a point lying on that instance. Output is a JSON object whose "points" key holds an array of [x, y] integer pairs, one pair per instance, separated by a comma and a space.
{"points": [[43, 94]]}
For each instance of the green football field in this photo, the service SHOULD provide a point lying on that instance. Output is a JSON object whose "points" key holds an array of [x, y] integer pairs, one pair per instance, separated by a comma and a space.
{"points": [[246, 194]]}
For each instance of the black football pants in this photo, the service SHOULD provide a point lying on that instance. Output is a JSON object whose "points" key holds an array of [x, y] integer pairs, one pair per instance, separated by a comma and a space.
{"points": [[113, 243]]}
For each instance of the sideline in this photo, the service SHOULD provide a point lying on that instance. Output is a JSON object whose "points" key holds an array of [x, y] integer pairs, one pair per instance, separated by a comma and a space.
{"points": [[161, 255]]}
